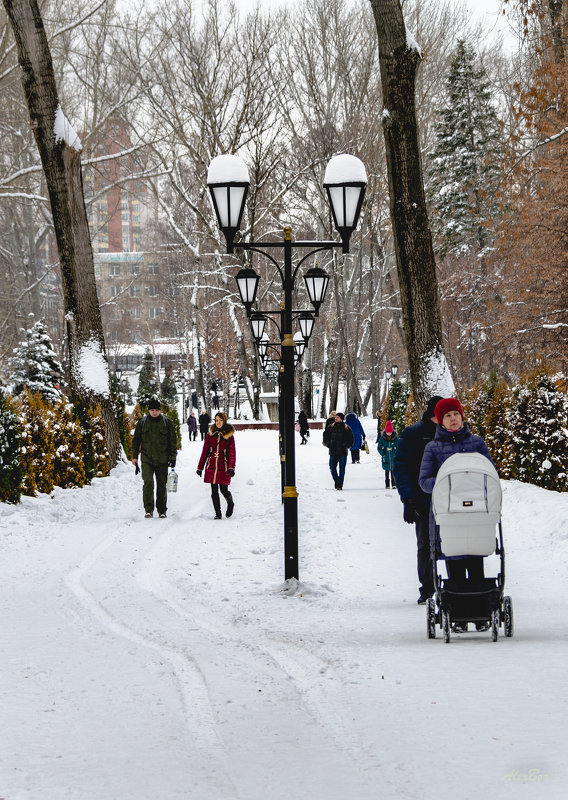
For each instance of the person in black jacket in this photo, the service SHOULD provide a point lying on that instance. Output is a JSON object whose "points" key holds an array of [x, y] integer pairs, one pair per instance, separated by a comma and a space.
{"points": [[304, 426], [407, 460], [338, 438], [204, 420]]}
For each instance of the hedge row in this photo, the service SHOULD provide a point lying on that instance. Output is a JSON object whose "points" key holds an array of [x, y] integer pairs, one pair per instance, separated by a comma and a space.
{"points": [[44, 445], [525, 426]]}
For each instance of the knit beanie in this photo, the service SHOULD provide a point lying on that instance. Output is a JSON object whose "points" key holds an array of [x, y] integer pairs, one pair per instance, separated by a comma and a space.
{"points": [[154, 403], [449, 404], [340, 415], [432, 402], [388, 427]]}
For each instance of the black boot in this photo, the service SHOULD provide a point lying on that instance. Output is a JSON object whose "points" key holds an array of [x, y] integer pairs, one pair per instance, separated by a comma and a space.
{"points": [[230, 505], [217, 507]]}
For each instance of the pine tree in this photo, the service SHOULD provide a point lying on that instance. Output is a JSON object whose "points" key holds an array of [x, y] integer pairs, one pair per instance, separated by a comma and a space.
{"points": [[168, 387], [34, 365], [465, 162], [11, 472], [147, 381], [396, 403]]}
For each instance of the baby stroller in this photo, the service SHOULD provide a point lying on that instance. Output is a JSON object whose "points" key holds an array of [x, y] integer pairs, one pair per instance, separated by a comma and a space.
{"points": [[466, 503]]}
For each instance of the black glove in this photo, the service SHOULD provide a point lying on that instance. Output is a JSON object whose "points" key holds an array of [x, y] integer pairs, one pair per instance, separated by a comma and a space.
{"points": [[172, 463], [231, 473], [137, 470], [409, 510], [199, 471]]}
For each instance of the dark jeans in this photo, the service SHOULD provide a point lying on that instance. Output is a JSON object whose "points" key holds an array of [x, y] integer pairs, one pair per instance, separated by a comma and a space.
{"points": [[389, 478], [457, 568], [334, 462], [424, 558], [148, 473], [203, 435], [355, 456], [215, 495]]}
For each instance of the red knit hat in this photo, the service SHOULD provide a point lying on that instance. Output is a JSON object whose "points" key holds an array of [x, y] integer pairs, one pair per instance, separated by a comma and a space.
{"points": [[443, 406], [388, 427]]}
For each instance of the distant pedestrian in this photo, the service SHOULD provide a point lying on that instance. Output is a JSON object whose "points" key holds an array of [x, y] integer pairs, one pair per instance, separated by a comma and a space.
{"points": [[352, 420], [192, 427], [204, 420], [379, 429], [155, 440], [304, 426], [338, 438], [219, 459], [387, 449]]}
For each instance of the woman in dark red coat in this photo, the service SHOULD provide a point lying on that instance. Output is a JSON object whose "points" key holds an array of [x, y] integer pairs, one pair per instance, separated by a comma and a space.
{"points": [[219, 457]]}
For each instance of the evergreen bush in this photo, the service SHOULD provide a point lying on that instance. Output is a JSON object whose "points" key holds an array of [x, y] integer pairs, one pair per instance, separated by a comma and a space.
{"points": [[11, 472], [148, 386], [38, 444], [34, 365], [68, 467]]}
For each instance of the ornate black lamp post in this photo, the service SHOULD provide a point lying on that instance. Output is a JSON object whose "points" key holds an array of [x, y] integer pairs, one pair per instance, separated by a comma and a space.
{"points": [[345, 181]]}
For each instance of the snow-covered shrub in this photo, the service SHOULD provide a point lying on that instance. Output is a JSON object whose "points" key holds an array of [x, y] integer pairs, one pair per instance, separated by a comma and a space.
{"points": [[96, 457], [38, 444], [11, 472], [68, 467], [538, 430], [34, 365]]}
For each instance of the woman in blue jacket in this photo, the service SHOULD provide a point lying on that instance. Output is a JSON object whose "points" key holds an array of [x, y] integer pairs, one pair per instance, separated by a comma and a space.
{"points": [[452, 436], [352, 420]]}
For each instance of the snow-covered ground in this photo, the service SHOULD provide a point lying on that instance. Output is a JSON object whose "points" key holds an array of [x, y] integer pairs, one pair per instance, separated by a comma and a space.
{"points": [[168, 659]]}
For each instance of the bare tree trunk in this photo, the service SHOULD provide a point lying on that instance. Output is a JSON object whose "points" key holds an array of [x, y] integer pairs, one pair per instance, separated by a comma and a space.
{"points": [[399, 59], [61, 163]]}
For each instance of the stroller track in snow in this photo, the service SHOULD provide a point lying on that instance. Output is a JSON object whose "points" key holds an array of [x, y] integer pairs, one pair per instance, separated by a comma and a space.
{"points": [[312, 677], [197, 709]]}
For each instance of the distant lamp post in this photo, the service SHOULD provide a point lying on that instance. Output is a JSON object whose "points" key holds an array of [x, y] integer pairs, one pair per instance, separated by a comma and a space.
{"points": [[394, 370], [345, 181]]}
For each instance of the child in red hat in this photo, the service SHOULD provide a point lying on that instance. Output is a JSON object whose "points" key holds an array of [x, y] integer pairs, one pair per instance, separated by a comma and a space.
{"points": [[388, 442]]}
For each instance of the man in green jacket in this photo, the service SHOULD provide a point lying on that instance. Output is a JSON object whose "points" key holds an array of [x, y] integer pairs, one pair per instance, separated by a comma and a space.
{"points": [[155, 440]]}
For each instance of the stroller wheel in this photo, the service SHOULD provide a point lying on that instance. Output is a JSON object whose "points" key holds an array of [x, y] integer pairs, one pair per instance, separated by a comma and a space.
{"points": [[495, 624], [431, 618], [446, 622], [508, 616]]}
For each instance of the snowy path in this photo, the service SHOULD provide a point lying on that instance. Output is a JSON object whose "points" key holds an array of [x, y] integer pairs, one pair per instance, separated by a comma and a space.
{"points": [[166, 658]]}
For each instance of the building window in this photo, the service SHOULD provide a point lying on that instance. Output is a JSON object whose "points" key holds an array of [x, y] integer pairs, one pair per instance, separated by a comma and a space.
{"points": [[154, 312], [135, 291], [152, 291], [137, 313], [135, 269], [115, 290], [114, 270], [152, 269], [97, 270]]}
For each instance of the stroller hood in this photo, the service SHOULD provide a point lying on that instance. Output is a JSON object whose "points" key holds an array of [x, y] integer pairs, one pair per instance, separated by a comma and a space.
{"points": [[466, 503]]}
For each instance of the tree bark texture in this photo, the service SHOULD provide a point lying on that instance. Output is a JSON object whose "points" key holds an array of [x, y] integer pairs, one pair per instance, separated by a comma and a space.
{"points": [[399, 61], [62, 168]]}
